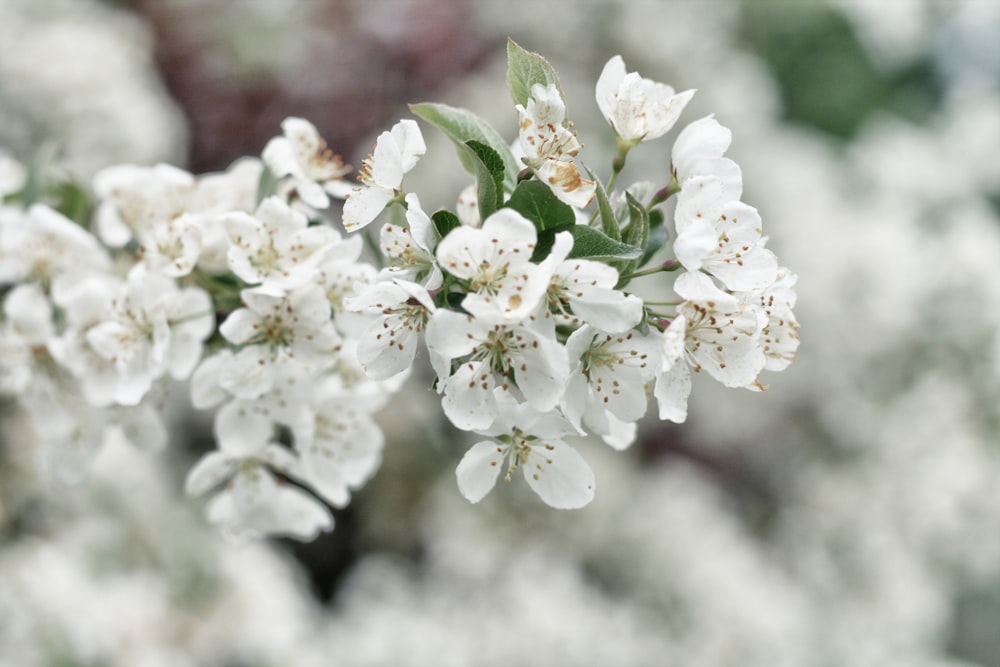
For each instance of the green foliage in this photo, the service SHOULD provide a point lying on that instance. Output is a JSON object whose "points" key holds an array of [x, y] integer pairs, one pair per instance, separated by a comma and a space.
{"points": [[590, 243], [535, 201], [525, 69], [608, 221], [489, 172], [463, 126], [445, 221], [826, 79]]}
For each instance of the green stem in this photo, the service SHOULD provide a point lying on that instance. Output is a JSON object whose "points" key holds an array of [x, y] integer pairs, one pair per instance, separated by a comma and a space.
{"points": [[667, 266]]}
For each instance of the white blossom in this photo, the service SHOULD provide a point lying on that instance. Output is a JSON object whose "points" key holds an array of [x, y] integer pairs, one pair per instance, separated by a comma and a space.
{"points": [[699, 150], [302, 156], [550, 148], [607, 387], [276, 248], [583, 289], [154, 328], [388, 346], [531, 440], [495, 259], [712, 331], [410, 250], [638, 109], [396, 152], [493, 356], [41, 244], [274, 330], [721, 237]]}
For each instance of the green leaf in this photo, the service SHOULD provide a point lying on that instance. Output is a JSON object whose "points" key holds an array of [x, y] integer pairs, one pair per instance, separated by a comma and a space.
{"points": [[445, 221], [535, 201], [590, 243], [74, 202], [636, 233], [489, 172], [463, 126], [608, 221], [657, 239], [525, 69]]}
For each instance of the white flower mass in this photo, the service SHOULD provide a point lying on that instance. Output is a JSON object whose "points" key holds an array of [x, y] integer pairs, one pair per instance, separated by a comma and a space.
{"points": [[489, 375]]}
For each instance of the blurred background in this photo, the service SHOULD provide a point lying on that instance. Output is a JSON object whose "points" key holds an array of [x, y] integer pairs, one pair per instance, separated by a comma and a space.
{"points": [[849, 516]]}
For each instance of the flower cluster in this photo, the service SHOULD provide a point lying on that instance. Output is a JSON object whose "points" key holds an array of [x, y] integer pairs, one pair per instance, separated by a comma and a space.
{"points": [[239, 283]]}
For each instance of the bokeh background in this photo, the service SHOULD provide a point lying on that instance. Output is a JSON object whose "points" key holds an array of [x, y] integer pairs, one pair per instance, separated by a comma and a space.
{"points": [[849, 516]]}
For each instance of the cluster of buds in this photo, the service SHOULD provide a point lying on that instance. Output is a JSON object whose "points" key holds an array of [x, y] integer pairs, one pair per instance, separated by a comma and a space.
{"points": [[240, 283]]}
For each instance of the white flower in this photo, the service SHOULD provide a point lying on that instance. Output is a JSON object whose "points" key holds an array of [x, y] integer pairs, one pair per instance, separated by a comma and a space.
{"points": [[780, 336], [638, 109], [699, 150], [411, 249], [135, 199], [582, 289], [303, 157], [172, 247], [389, 344], [550, 148], [41, 244], [493, 356], [338, 441], [154, 328], [276, 248], [721, 237], [254, 503], [274, 330], [396, 152], [26, 330], [504, 285], [712, 331], [531, 440], [607, 387]]}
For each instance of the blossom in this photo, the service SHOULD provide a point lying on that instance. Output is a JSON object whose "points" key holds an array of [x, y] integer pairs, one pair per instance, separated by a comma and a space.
{"points": [[396, 152], [135, 199], [722, 238], [712, 331], [153, 328], [389, 344], [254, 502], [780, 336], [338, 442], [699, 150], [583, 289], [274, 330], [531, 440], [509, 357], [607, 387], [638, 109], [550, 148], [410, 250], [495, 259], [276, 248], [42, 244], [302, 156]]}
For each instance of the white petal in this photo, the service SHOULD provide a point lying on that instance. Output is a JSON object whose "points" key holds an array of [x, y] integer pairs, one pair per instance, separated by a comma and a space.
{"points": [[241, 325], [608, 83], [479, 469], [560, 476], [468, 397], [211, 470], [673, 386], [410, 141], [206, 390], [363, 205], [241, 431]]}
